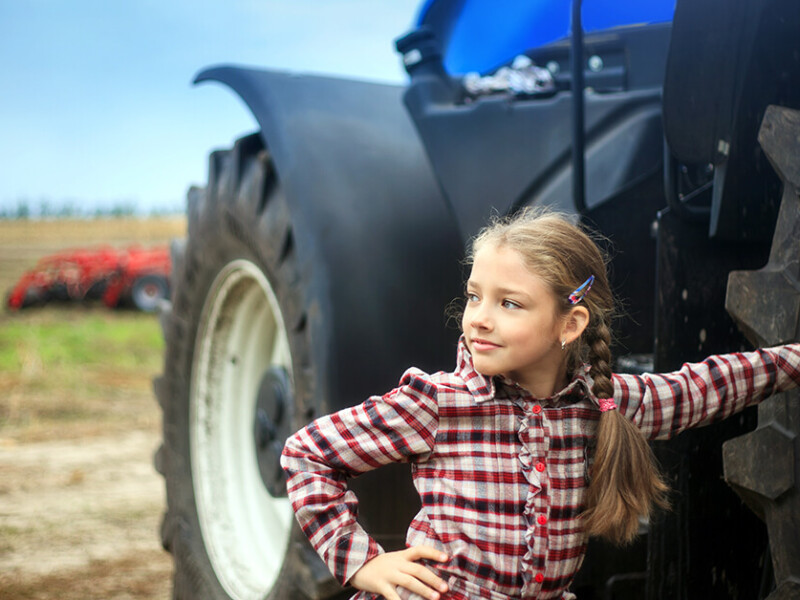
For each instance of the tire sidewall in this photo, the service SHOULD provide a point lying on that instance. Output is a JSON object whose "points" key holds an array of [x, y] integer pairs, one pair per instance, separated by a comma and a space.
{"points": [[221, 233]]}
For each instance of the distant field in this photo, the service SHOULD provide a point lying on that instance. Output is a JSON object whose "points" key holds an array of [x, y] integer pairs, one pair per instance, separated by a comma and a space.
{"points": [[66, 369], [79, 498], [70, 372], [23, 242]]}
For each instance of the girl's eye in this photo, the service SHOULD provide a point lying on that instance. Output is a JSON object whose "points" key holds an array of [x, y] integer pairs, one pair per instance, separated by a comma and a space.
{"points": [[472, 297], [510, 304]]}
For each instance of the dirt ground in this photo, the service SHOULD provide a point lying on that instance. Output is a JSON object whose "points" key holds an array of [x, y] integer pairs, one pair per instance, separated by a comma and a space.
{"points": [[80, 507], [80, 519]]}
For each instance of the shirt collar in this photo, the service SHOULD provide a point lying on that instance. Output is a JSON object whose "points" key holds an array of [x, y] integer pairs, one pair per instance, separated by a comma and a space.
{"points": [[485, 388], [482, 388]]}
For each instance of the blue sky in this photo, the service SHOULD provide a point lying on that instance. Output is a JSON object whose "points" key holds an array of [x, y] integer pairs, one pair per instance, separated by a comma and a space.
{"points": [[96, 103]]}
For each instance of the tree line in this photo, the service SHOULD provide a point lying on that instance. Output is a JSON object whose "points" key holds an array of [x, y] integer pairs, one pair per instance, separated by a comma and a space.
{"points": [[26, 209]]}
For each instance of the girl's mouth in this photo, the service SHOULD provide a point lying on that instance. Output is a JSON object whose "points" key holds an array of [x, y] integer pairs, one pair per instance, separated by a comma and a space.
{"points": [[483, 345]]}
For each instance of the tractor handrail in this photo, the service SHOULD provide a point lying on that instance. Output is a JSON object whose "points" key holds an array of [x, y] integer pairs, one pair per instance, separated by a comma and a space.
{"points": [[578, 117]]}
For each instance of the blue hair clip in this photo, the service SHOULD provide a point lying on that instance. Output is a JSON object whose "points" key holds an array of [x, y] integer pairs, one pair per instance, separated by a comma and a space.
{"points": [[580, 293]]}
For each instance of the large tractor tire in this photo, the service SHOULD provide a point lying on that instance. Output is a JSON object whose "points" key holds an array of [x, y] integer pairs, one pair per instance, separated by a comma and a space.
{"points": [[763, 466], [238, 379]]}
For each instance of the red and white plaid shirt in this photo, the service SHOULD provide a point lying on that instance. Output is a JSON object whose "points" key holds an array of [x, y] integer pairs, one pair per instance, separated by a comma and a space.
{"points": [[501, 475]]}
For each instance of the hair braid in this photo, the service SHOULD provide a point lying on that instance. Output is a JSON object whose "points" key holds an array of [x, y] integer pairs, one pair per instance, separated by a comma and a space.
{"points": [[625, 480], [598, 339]]}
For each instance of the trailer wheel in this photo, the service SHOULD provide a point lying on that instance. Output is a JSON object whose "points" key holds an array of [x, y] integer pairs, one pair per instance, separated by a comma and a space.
{"points": [[148, 291], [237, 381], [34, 297]]}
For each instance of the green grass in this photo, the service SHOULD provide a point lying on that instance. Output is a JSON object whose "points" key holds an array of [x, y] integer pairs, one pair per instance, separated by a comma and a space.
{"points": [[69, 339], [86, 367]]}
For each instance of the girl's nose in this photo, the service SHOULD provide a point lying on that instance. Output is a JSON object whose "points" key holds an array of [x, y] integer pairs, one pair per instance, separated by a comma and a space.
{"points": [[480, 319]]}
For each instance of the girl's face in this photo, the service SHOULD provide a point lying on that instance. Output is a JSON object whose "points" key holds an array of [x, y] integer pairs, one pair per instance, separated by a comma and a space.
{"points": [[511, 323]]}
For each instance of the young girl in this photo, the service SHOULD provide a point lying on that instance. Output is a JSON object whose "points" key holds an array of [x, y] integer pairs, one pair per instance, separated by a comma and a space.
{"points": [[529, 446]]}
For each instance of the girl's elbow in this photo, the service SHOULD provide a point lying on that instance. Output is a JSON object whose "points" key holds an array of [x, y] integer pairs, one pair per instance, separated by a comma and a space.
{"points": [[292, 451]]}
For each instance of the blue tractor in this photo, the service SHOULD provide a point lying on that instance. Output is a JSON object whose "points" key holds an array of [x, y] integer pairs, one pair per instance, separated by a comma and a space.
{"points": [[324, 249]]}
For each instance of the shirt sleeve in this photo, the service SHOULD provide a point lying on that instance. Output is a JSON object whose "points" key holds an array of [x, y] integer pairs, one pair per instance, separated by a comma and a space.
{"points": [[700, 393], [397, 427]]}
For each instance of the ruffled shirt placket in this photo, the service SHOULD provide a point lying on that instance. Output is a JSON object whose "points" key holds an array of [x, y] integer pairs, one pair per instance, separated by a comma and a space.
{"points": [[533, 459]]}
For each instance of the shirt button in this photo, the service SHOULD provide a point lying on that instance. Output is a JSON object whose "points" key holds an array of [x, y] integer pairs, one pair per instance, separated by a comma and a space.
{"points": [[537, 409], [539, 578], [540, 466], [542, 520]]}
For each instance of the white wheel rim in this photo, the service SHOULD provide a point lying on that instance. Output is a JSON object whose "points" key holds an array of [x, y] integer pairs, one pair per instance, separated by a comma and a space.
{"points": [[241, 334]]}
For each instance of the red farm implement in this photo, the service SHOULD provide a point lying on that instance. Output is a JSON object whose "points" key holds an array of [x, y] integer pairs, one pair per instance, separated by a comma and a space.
{"points": [[132, 276]]}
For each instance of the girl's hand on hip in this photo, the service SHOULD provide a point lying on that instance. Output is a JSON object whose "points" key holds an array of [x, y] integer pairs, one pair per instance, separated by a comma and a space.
{"points": [[385, 572]]}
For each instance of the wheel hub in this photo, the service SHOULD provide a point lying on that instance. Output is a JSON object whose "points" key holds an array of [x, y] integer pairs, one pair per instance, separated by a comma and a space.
{"points": [[271, 427]]}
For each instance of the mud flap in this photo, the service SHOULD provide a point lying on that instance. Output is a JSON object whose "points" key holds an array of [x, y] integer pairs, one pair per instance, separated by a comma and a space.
{"points": [[762, 466]]}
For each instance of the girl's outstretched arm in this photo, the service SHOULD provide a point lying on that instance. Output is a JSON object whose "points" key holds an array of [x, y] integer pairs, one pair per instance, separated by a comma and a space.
{"points": [[662, 405], [397, 427]]}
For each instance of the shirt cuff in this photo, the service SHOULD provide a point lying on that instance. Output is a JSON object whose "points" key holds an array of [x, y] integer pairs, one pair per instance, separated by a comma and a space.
{"points": [[350, 553]]}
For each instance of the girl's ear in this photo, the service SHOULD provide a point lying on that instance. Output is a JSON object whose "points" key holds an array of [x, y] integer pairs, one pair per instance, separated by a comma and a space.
{"points": [[575, 323]]}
